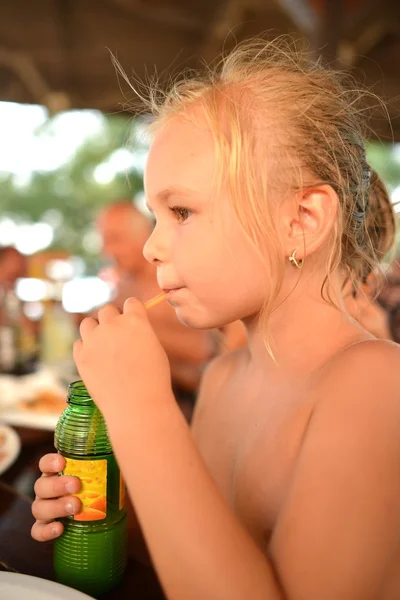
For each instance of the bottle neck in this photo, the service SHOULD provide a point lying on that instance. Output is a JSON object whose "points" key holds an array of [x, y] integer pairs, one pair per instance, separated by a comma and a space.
{"points": [[78, 395], [80, 402]]}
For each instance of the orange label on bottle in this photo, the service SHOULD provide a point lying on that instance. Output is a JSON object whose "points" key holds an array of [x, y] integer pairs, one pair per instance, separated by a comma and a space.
{"points": [[121, 492], [93, 492]]}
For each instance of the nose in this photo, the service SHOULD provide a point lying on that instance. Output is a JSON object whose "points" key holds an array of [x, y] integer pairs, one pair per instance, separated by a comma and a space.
{"points": [[154, 249]]}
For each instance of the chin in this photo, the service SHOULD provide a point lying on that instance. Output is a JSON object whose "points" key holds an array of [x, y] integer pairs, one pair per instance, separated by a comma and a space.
{"points": [[192, 322], [200, 321]]}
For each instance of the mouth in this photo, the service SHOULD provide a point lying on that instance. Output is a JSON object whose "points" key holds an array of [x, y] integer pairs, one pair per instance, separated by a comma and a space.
{"points": [[170, 292]]}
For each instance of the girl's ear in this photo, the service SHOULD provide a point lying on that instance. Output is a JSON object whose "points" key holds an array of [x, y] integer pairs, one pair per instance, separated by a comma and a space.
{"points": [[309, 220]]}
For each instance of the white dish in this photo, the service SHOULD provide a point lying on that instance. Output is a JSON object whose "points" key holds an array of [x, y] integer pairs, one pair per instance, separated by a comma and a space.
{"points": [[14, 586], [10, 447], [36, 400], [25, 418]]}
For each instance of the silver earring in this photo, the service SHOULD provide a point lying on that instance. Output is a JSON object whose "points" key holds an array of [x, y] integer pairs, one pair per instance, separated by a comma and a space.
{"points": [[296, 263]]}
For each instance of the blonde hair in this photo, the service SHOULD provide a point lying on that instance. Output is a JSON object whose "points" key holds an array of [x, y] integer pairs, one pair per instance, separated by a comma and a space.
{"points": [[268, 105]]}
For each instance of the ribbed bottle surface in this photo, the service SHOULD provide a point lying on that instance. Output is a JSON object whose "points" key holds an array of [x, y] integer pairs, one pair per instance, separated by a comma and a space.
{"points": [[91, 554], [81, 429], [91, 561]]}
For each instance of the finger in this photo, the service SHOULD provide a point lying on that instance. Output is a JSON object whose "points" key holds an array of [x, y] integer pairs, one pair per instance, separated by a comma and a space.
{"points": [[133, 305], [55, 486], [107, 313], [87, 326], [50, 464], [43, 532], [48, 510], [76, 348]]}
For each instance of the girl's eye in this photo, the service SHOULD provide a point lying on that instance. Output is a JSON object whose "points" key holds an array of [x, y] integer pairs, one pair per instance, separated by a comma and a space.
{"points": [[181, 213]]}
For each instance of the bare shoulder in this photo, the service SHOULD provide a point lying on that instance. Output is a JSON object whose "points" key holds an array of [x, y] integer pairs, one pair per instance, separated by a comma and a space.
{"points": [[373, 348], [345, 486], [364, 373], [371, 359]]}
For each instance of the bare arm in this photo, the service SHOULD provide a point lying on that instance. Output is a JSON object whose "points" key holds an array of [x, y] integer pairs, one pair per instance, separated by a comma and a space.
{"points": [[198, 546]]}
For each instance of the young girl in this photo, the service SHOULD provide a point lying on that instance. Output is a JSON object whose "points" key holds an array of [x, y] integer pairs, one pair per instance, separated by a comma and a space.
{"points": [[288, 485]]}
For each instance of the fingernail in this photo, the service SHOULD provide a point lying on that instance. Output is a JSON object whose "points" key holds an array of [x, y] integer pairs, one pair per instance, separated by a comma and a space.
{"points": [[54, 532], [55, 463], [71, 486], [70, 508]]}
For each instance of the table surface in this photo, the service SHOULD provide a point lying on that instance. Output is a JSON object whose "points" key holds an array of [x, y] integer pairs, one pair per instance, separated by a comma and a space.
{"points": [[20, 552]]}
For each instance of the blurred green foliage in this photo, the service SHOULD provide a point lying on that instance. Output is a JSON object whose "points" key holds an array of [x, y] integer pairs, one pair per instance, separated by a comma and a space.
{"points": [[385, 159], [69, 197]]}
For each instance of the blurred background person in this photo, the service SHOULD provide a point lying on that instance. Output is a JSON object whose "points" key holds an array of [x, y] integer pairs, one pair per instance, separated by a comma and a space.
{"points": [[124, 231], [394, 323], [389, 296], [365, 309], [364, 303], [231, 337], [17, 346], [13, 266], [389, 299]]}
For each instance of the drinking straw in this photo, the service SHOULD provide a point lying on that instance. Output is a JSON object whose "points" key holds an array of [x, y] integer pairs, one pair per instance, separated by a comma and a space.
{"points": [[156, 300]]}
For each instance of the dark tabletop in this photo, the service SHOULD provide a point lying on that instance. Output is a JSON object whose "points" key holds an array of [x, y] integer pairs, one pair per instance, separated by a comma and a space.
{"points": [[19, 552]]}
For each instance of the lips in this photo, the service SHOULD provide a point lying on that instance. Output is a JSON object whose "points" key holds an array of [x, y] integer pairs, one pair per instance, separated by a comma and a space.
{"points": [[170, 292], [169, 287]]}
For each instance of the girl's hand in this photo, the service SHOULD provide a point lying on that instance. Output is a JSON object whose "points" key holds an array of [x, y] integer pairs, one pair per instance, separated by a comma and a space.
{"points": [[53, 499], [120, 358]]}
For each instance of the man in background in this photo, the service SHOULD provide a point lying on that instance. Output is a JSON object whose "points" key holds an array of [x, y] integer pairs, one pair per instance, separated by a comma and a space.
{"points": [[389, 296], [378, 314], [13, 265], [124, 231]]}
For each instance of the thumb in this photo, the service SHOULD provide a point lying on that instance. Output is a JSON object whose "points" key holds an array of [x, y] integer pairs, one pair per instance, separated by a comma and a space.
{"points": [[134, 306]]}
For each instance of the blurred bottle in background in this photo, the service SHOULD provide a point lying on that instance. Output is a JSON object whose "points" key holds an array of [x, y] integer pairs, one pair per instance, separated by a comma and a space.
{"points": [[57, 329], [9, 331], [18, 347], [57, 335]]}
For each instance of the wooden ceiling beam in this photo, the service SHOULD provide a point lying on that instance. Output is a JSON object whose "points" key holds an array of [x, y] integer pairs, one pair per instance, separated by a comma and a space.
{"points": [[350, 51], [34, 82], [328, 33], [230, 16], [301, 14], [169, 16], [64, 25], [28, 73]]}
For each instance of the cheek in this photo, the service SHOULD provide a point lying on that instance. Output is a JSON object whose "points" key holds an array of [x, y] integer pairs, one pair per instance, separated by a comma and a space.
{"points": [[188, 254], [241, 275], [218, 258], [199, 258]]}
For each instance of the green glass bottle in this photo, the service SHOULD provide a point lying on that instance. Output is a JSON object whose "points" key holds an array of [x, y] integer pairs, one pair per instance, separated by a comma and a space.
{"points": [[91, 553]]}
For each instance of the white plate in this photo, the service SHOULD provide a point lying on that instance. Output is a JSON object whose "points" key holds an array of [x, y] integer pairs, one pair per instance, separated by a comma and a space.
{"points": [[19, 396], [11, 447], [25, 418], [14, 586]]}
